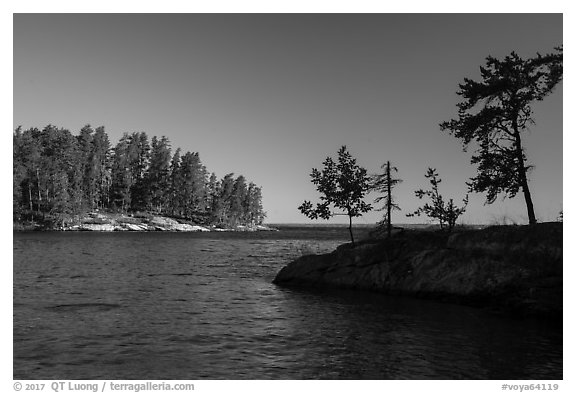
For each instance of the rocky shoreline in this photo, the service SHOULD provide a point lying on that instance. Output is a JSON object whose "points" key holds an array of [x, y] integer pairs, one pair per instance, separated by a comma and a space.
{"points": [[98, 222], [511, 269]]}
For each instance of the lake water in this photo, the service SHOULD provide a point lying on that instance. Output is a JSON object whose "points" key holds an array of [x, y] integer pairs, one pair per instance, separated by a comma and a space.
{"points": [[202, 306]]}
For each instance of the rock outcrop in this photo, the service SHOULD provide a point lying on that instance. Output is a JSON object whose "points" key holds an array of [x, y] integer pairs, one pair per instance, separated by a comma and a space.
{"points": [[98, 227], [118, 222], [515, 268], [108, 223]]}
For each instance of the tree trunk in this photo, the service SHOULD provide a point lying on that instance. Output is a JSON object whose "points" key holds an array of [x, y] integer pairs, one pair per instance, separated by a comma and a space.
{"points": [[30, 197], [350, 229], [522, 175], [38, 186], [389, 204]]}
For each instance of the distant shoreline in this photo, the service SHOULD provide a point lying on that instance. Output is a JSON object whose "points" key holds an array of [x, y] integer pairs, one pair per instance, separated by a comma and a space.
{"points": [[425, 226], [109, 222]]}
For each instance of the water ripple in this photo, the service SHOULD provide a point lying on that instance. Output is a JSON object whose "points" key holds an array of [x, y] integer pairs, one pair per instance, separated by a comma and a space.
{"points": [[192, 306]]}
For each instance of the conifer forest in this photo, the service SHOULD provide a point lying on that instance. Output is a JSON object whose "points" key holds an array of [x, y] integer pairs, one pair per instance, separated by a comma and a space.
{"points": [[59, 176]]}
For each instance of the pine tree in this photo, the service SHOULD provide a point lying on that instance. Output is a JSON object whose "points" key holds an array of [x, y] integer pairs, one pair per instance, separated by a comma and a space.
{"points": [[157, 177], [384, 183], [495, 112], [101, 160], [175, 185], [139, 160], [61, 158], [256, 213], [87, 167], [225, 199], [19, 175], [193, 185], [28, 161], [238, 201], [121, 174], [215, 204]]}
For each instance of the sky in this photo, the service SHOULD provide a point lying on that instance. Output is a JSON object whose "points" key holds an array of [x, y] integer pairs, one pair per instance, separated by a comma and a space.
{"points": [[270, 96]]}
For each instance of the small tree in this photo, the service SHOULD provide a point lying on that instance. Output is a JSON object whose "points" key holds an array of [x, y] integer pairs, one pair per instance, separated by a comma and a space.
{"points": [[343, 185], [495, 112], [445, 213], [384, 183]]}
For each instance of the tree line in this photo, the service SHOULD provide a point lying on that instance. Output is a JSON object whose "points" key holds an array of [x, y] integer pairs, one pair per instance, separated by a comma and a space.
{"points": [[58, 175], [492, 116]]}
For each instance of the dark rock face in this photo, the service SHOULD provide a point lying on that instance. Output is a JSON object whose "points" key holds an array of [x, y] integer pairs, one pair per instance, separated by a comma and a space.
{"points": [[516, 268]]}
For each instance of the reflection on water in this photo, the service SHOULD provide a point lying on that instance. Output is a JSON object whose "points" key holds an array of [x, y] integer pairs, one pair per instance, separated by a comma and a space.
{"points": [[194, 306]]}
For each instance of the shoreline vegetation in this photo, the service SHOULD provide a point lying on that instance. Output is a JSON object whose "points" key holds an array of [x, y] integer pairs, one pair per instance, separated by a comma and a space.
{"points": [[137, 222], [514, 270], [66, 181]]}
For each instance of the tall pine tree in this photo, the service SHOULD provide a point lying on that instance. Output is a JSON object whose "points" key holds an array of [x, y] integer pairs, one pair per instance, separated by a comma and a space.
{"points": [[495, 112]]}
